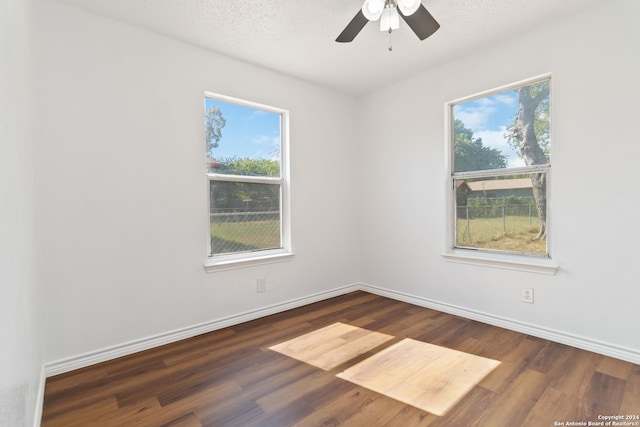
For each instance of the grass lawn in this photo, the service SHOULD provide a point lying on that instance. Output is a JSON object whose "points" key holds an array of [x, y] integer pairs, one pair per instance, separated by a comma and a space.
{"points": [[516, 234], [242, 236]]}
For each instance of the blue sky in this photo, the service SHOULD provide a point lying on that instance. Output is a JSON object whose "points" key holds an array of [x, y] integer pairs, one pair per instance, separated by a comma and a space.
{"points": [[248, 132], [489, 118]]}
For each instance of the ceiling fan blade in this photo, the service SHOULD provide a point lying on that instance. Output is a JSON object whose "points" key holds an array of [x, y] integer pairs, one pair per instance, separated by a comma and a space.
{"points": [[421, 22], [353, 28]]}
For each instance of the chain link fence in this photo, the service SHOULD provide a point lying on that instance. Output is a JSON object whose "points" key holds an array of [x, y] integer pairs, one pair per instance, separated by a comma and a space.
{"points": [[235, 231], [487, 221]]}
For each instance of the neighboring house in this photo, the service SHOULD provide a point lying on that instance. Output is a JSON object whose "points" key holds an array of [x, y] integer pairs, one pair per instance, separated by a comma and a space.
{"points": [[212, 163], [493, 189]]}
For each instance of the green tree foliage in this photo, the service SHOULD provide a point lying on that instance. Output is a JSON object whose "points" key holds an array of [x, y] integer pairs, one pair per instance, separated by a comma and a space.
{"points": [[470, 154], [248, 167], [214, 122]]}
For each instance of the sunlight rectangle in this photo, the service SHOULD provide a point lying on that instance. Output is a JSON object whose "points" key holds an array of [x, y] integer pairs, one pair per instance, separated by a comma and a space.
{"points": [[332, 345], [423, 375]]}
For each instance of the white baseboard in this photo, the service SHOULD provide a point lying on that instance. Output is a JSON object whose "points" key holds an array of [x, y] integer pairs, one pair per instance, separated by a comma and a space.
{"points": [[37, 415], [577, 341], [113, 352], [108, 353]]}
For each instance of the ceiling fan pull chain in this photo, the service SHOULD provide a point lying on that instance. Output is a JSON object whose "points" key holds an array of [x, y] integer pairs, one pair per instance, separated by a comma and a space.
{"points": [[390, 45]]}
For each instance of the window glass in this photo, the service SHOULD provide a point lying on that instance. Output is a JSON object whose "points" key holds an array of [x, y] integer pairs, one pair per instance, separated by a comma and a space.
{"points": [[245, 169], [245, 217], [498, 213], [501, 156], [242, 140]]}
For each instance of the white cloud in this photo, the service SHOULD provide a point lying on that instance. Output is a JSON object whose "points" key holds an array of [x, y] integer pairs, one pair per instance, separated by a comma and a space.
{"points": [[495, 139], [266, 147], [264, 140], [472, 119], [475, 114], [506, 98], [479, 114]]}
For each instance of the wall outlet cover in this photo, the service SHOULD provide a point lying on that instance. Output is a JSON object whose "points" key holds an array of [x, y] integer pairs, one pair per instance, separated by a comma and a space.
{"points": [[527, 295]]}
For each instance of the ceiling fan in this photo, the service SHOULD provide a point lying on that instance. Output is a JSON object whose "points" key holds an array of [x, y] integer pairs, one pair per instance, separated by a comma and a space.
{"points": [[389, 12]]}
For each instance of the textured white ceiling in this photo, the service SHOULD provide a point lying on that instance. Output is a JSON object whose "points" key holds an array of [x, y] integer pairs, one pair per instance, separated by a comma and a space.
{"points": [[296, 37]]}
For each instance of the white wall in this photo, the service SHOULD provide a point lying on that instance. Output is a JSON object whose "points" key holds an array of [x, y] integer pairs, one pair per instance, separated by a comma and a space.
{"points": [[124, 196], [594, 202], [20, 361]]}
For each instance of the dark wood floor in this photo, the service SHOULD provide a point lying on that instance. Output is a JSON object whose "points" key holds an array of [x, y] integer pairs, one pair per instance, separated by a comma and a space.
{"points": [[230, 377]]}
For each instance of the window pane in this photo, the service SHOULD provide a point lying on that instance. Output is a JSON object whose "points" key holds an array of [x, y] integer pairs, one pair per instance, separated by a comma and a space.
{"points": [[244, 217], [499, 213], [242, 140], [490, 132]]}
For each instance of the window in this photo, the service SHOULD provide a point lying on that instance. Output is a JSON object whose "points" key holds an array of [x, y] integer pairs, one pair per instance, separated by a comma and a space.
{"points": [[246, 167], [500, 152]]}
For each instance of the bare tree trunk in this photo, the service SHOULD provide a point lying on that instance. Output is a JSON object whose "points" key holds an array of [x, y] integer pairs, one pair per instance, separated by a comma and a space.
{"points": [[539, 181], [532, 154]]}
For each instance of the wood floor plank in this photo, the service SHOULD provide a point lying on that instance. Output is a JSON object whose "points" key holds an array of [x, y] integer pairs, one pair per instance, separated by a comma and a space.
{"points": [[187, 420], [512, 364], [283, 396], [557, 406], [87, 393], [338, 410], [576, 372], [144, 412], [204, 399], [378, 412], [513, 405], [631, 402], [60, 383], [605, 394], [614, 367], [441, 329], [231, 377], [80, 415], [551, 359], [235, 413], [478, 401], [410, 416], [294, 411]]}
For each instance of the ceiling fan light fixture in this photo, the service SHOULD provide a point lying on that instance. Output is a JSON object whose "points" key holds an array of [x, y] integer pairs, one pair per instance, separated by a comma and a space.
{"points": [[372, 9], [408, 7], [413, 13], [390, 19]]}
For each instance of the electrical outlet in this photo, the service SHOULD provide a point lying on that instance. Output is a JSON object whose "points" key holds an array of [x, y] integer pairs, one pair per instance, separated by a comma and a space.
{"points": [[527, 295], [261, 285]]}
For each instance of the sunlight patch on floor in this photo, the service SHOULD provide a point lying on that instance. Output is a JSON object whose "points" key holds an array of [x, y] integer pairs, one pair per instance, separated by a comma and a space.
{"points": [[332, 345], [427, 376]]}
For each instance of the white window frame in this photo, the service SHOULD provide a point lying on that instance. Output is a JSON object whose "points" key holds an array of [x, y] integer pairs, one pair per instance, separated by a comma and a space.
{"points": [[222, 262], [484, 257]]}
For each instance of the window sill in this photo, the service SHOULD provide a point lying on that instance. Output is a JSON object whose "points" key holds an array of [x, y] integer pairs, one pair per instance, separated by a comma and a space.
{"points": [[213, 265], [506, 262]]}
